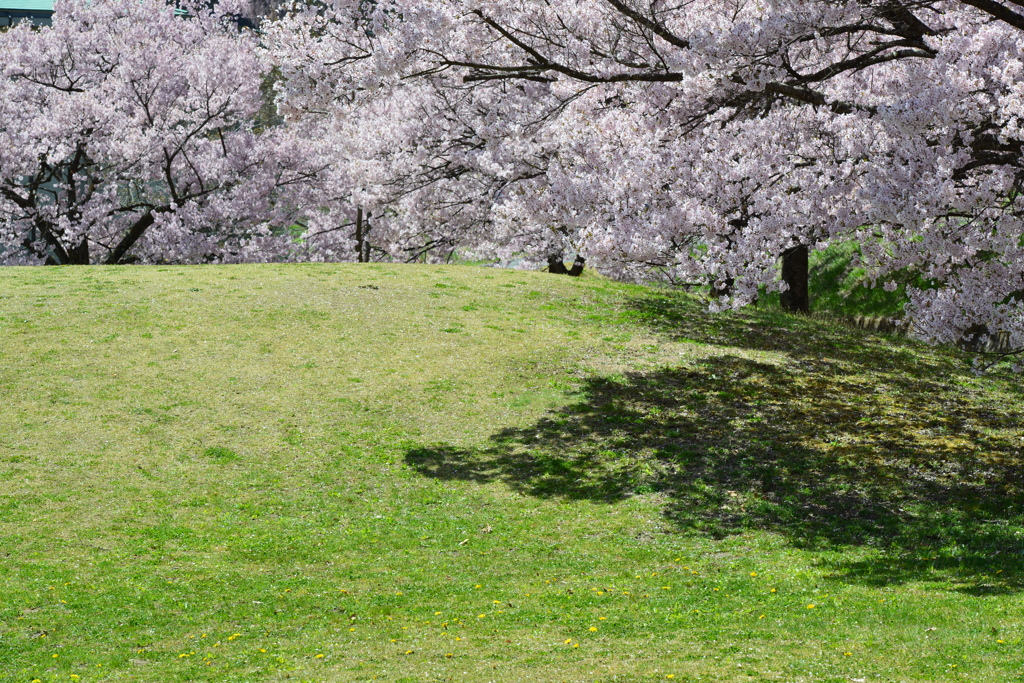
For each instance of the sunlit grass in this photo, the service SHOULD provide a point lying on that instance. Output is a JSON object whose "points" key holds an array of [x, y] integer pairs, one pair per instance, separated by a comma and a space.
{"points": [[349, 473]]}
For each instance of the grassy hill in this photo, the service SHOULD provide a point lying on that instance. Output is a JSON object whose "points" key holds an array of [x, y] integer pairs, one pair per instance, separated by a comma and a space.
{"points": [[413, 473]]}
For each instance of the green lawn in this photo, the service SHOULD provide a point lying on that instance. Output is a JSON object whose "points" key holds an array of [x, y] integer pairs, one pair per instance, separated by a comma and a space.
{"points": [[418, 473]]}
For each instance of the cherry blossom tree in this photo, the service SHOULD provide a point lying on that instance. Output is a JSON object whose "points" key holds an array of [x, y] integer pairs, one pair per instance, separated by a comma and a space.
{"points": [[126, 135], [699, 141], [427, 159]]}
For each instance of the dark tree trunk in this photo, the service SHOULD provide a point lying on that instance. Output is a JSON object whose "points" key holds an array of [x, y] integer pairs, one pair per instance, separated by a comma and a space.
{"points": [[797, 298], [79, 254], [132, 236], [577, 267], [556, 266], [361, 237]]}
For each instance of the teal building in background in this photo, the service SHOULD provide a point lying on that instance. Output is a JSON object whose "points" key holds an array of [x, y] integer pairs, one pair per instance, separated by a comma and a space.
{"points": [[38, 12]]}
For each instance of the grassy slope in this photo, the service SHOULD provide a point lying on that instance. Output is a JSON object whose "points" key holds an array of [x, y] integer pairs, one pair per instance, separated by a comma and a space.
{"points": [[427, 473]]}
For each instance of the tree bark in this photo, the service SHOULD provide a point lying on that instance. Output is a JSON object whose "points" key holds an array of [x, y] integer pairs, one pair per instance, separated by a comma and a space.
{"points": [[797, 298], [79, 254], [360, 237], [132, 236], [556, 266], [577, 267]]}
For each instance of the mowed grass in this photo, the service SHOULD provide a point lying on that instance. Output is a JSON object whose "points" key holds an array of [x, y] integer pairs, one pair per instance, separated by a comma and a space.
{"points": [[412, 473]]}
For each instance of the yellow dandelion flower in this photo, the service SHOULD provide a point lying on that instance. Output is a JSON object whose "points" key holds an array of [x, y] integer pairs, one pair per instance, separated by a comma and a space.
{"points": [[457, 638], [449, 655], [810, 606], [437, 614], [480, 616], [773, 590], [600, 618], [398, 593], [593, 628], [408, 652], [568, 640], [600, 592], [55, 656], [480, 586], [352, 629], [575, 644], [848, 654], [753, 573], [262, 650], [319, 657], [182, 655], [999, 640], [761, 617], [496, 602]]}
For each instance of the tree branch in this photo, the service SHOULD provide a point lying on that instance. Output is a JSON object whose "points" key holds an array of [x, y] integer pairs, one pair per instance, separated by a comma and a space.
{"points": [[998, 11]]}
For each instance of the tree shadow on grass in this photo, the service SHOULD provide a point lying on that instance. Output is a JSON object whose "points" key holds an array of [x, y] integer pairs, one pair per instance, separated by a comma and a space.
{"points": [[865, 447]]}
